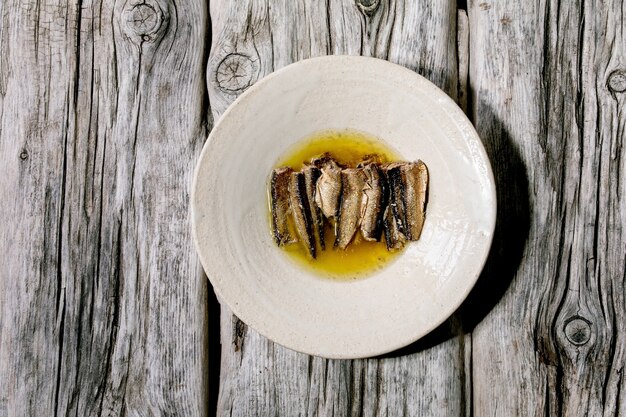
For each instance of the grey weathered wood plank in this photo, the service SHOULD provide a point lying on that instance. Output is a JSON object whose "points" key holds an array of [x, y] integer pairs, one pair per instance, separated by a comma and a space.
{"points": [[258, 378], [462, 98], [102, 114], [462, 42], [548, 82]]}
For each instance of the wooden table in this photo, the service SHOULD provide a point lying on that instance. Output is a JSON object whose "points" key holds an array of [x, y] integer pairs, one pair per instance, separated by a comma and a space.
{"points": [[104, 108]]}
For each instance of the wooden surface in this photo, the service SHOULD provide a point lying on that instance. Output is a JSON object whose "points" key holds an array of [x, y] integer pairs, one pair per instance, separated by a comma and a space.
{"points": [[103, 111], [547, 96], [104, 107]]}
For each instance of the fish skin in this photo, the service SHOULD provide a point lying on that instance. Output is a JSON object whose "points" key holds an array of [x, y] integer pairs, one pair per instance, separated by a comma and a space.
{"points": [[328, 186], [415, 176], [374, 203], [408, 187], [393, 238], [311, 176], [349, 218], [301, 212], [397, 198], [279, 205]]}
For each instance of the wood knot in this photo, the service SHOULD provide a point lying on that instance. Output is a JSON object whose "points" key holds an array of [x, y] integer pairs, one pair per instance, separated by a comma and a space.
{"points": [[24, 155], [577, 330], [235, 73], [617, 81], [368, 7], [142, 21]]}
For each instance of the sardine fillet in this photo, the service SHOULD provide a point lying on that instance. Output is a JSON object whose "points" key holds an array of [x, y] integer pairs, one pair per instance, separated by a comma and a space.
{"points": [[279, 195], [328, 186], [393, 238], [349, 218], [374, 203], [311, 177], [416, 185], [301, 212], [408, 185], [397, 195]]}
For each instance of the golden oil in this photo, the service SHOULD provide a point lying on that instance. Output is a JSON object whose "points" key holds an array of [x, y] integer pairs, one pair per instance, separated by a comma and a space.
{"points": [[361, 258]]}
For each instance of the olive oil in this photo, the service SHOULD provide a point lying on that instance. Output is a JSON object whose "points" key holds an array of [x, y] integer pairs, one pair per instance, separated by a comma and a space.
{"points": [[361, 258], [348, 147]]}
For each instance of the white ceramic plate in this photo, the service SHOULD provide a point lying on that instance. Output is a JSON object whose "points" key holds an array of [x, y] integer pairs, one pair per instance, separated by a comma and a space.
{"points": [[292, 306]]}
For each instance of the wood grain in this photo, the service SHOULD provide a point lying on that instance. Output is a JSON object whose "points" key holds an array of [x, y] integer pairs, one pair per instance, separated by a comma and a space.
{"points": [[258, 378], [104, 109], [547, 96], [102, 114]]}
